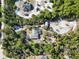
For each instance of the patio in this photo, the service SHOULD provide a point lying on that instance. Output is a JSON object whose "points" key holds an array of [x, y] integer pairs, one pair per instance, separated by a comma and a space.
{"points": [[63, 26]]}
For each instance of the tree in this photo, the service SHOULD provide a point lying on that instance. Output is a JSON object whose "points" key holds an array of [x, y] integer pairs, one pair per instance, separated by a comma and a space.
{"points": [[66, 8]]}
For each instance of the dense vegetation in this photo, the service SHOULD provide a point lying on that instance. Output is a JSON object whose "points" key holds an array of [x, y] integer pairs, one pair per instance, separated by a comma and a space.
{"points": [[15, 46], [66, 8]]}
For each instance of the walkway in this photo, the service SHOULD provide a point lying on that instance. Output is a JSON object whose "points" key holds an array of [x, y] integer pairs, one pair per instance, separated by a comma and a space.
{"points": [[2, 56]]}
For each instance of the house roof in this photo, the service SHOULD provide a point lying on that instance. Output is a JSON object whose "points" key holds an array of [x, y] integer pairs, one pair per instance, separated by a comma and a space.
{"points": [[35, 33]]}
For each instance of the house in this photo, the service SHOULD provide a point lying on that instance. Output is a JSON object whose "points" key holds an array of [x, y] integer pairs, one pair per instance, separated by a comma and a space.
{"points": [[34, 33]]}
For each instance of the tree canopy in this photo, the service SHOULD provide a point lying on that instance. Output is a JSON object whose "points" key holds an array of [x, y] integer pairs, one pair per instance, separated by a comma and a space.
{"points": [[15, 44]]}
